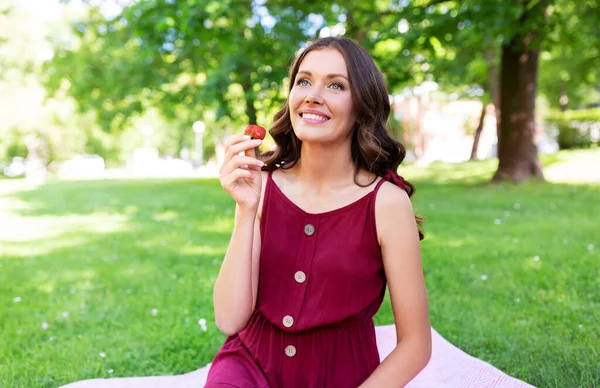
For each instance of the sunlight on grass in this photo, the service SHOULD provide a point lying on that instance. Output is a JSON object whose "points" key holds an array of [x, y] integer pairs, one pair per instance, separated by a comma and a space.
{"points": [[203, 249], [51, 233]]}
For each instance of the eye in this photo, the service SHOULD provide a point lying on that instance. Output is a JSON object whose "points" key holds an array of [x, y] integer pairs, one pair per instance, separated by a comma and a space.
{"points": [[337, 86], [302, 82]]}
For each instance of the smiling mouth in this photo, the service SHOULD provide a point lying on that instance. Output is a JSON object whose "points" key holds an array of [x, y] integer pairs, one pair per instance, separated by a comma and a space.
{"points": [[315, 117]]}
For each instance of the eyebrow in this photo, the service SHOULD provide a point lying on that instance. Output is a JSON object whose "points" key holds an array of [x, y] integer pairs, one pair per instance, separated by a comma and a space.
{"points": [[332, 75]]}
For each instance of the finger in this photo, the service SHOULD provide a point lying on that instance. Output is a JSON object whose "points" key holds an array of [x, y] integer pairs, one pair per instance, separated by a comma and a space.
{"points": [[236, 139], [240, 161], [251, 152], [236, 175], [242, 147], [232, 148]]}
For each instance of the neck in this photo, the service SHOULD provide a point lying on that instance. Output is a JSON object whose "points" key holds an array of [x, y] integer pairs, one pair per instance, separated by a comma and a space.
{"points": [[325, 165]]}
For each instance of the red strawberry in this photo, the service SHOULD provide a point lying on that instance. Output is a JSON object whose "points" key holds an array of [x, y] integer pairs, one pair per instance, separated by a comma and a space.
{"points": [[255, 131]]}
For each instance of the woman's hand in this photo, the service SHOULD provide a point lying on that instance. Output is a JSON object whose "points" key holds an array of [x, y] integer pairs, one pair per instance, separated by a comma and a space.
{"points": [[240, 174]]}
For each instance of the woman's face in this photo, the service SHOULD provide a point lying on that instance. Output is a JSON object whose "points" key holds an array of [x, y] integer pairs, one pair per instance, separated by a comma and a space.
{"points": [[320, 102]]}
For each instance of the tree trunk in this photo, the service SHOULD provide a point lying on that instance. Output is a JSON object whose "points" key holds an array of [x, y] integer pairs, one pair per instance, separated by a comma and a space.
{"points": [[517, 153], [249, 95], [355, 29], [478, 132], [250, 110], [493, 84]]}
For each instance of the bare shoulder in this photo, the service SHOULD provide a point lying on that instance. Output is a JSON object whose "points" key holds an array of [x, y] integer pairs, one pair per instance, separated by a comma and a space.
{"points": [[394, 214], [391, 197]]}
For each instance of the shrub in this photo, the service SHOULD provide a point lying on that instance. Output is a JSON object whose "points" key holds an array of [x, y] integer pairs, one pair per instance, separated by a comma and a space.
{"points": [[575, 128]]}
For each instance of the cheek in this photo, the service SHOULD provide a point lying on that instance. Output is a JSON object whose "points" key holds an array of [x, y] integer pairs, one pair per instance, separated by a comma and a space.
{"points": [[294, 99], [348, 106]]}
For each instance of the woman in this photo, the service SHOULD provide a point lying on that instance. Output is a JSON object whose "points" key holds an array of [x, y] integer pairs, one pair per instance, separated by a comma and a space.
{"points": [[322, 224]]}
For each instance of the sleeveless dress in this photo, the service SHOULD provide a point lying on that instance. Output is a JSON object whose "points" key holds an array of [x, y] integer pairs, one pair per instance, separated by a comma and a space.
{"points": [[321, 281]]}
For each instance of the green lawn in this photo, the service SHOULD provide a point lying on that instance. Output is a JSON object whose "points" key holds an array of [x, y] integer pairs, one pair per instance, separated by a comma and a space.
{"points": [[110, 278]]}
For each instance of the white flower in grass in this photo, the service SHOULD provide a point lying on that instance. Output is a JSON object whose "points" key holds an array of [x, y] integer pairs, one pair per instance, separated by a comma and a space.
{"points": [[518, 300], [536, 258], [497, 221], [110, 371], [65, 314], [506, 213], [154, 312], [580, 326], [17, 299], [102, 355], [202, 323], [484, 277], [590, 247], [51, 339], [517, 205], [45, 325]]}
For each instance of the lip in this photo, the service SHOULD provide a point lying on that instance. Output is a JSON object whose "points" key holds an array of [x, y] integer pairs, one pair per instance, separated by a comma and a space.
{"points": [[315, 112]]}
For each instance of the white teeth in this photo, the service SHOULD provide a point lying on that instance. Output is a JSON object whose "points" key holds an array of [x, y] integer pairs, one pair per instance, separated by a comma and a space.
{"points": [[312, 116]]}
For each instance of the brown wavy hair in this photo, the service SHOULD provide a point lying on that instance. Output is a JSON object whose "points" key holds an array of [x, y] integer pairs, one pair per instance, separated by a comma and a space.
{"points": [[373, 148]]}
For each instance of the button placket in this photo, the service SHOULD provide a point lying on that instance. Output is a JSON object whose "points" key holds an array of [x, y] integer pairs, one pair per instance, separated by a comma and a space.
{"points": [[304, 264]]}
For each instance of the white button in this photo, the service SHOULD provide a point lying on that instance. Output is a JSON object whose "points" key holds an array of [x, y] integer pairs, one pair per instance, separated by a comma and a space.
{"points": [[290, 351], [300, 276], [309, 229], [288, 321]]}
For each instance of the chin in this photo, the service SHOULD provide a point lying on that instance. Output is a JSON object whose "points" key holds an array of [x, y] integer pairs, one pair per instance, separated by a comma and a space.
{"points": [[311, 135]]}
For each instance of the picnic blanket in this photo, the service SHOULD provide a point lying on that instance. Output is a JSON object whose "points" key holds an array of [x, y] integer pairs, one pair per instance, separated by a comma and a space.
{"points": [[449, 367]]}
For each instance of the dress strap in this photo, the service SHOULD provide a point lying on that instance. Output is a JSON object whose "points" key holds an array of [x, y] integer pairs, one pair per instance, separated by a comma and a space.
{"points": [[266, 201], [394, 178]]}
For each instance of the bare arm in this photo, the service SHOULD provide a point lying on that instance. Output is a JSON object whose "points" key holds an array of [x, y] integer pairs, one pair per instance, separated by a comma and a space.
{"points": [[399, 241], [236, 287]]}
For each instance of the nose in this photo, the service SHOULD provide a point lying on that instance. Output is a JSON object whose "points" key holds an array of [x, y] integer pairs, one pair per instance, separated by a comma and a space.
{"points": [[310, 98]]}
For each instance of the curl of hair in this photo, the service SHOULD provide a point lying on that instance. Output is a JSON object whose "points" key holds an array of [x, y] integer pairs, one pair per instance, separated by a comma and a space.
{"points": [[372, 148]]}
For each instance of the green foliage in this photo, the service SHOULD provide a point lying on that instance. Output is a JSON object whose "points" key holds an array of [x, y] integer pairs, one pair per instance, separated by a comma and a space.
{"points": [[225, 62], [576, 128], [571, 56], [187, 59]]}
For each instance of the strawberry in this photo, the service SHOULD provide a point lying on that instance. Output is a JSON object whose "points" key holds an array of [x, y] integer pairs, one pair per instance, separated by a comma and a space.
{"points": [[255, 131]]}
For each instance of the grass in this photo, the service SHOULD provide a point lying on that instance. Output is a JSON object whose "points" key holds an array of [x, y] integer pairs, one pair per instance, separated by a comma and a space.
{"points": [[122, 271]]}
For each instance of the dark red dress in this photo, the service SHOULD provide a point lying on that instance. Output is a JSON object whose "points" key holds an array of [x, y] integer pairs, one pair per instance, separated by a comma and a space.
{"points": [[321, 283]]}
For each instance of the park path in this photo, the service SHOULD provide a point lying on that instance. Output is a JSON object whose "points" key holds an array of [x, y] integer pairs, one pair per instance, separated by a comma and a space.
{"points": [[579, 168]]}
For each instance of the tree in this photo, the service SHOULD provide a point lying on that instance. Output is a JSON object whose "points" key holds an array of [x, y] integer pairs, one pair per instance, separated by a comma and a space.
{"points": [[217, 61], [519, 27]]}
